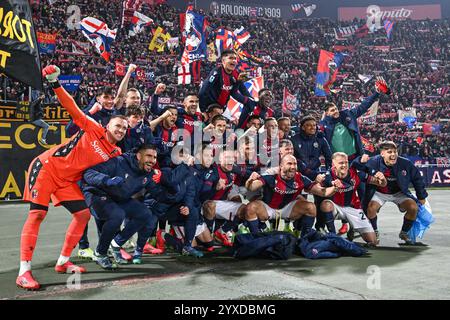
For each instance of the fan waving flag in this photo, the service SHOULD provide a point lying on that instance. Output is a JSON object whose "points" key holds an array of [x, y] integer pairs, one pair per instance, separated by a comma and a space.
{"points": [[138, 22], [98, 33], [325, 75], [388, 26]]}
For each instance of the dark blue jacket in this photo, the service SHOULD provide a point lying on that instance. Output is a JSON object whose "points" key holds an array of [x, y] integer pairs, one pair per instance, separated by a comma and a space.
{"points": [[178, 186], [307, 150], [214, 85], [405, 172], [349, 119], [317, 246], [125, 166]]}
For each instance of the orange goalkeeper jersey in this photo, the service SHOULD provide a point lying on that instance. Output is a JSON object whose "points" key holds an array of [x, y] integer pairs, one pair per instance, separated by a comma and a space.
{"points": [[89, 147]]}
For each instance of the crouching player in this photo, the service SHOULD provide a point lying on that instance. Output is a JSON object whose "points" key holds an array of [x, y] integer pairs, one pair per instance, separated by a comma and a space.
{"points": [[109, 189], [345, 203], [54, 175], [399, 173], [281, 196]]}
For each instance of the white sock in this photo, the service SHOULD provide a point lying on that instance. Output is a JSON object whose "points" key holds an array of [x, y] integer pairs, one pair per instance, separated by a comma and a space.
{"points": [[62, 260], [114, 244], [24, 267]]}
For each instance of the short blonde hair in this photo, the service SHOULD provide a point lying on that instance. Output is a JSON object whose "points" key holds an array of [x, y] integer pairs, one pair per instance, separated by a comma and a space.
{"points": [[339, 154]]}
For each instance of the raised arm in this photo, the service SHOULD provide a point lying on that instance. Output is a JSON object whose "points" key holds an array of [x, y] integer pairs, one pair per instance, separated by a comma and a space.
{"points": [[122, 92], [51, 73]]}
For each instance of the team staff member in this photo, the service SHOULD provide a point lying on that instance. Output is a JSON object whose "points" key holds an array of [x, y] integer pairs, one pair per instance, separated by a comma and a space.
{"points": [[54, 175]]}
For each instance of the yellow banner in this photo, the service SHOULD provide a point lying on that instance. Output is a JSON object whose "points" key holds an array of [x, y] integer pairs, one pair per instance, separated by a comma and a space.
{"points": [[159, 40]]}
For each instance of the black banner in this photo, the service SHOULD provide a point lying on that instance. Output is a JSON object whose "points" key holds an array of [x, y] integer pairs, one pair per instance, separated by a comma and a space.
{"points": [[19, 55], [19, 111], [19, 145]]}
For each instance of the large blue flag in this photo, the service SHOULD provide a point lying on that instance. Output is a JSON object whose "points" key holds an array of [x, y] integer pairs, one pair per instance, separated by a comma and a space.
{"points": [[327, 70], [194, 31]]}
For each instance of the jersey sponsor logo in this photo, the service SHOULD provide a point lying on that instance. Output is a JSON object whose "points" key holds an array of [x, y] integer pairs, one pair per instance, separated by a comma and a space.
{"points": [[279, 191], [99, 150]]}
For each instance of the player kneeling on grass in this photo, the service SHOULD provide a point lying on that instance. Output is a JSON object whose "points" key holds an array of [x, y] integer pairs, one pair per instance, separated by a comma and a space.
{"points": [[281, 196], [218, 183], [399, 173], [345, 203], [109, 189]]}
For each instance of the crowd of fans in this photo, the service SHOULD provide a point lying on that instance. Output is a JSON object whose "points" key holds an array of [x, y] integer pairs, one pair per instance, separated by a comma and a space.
{"points": [[295, 46]]}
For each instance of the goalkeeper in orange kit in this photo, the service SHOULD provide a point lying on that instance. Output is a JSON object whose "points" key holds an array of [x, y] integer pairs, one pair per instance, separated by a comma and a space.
{"points": [[53, 175]]}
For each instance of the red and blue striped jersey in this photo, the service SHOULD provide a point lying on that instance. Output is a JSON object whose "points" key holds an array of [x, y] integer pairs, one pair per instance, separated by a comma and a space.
{"points": [[348, 195], [277, 192], [392, 185], [211, 179]]}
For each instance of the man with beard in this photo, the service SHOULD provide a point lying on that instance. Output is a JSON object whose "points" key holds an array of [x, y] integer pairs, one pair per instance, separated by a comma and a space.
{"points": [[223, 82], [54, 174], [218, 183], [261, 108], [399, 173], [281, 196], [109, 189], [345, 203], [165, 128]]}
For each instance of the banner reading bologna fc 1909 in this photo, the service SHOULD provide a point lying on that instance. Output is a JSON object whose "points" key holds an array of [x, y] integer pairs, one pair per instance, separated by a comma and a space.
{"points": [[19, 55]]}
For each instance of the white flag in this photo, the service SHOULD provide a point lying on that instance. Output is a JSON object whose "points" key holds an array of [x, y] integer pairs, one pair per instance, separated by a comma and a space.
{"points": [[184, 75], [309, 9], [365, 78]]}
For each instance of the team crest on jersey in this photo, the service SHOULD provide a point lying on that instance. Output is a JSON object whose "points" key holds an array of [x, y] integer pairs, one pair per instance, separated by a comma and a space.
{"points": [[316, 145], [144, 181], [299, 145], [403, 172], [34, 194], [295, 185], [348, 119], [126, 175]]}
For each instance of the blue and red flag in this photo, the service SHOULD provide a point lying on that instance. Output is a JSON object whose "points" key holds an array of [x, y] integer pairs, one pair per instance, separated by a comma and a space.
{"points": [[388, 26], [234, 108], [327, 70], [194, 35], [224, 40], [46, 42], [98, 33]]}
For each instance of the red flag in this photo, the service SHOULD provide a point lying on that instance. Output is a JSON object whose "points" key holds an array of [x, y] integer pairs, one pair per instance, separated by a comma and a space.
{"points": [[196, 71], [140, 74], [120, 69], [427, 129], [289, 102]]}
